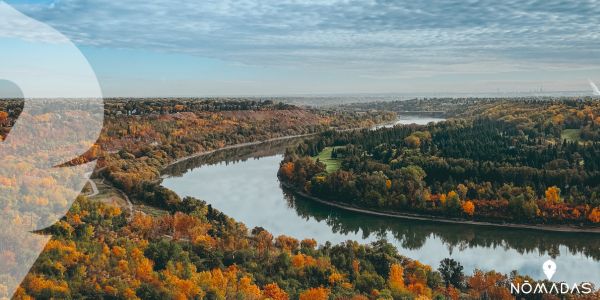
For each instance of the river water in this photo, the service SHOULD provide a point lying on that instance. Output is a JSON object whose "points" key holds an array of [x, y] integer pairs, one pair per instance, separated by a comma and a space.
{"points": [[411, 119], [243, 184]]}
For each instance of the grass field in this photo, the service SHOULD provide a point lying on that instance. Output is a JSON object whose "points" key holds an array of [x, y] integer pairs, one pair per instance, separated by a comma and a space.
{"points": [[332, 164], [571, 135]]}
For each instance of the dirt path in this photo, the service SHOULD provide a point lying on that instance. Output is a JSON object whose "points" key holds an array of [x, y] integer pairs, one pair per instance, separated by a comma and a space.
{"points": [[105, 192], [95, 190], [129, 204]]}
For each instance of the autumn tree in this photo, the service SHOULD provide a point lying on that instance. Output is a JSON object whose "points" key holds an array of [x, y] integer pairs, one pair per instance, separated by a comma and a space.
{"points": [[319, 293], [248, 290], [443, 198], [488, 286], [553, 195], [396, 278], [287, 170], [286, 243], [453, 202], [274, 292], [462, 191], [264, 241], [413, 141], [336, 278], [594, 215], [309, 244], [468, 208], [3, 118]]}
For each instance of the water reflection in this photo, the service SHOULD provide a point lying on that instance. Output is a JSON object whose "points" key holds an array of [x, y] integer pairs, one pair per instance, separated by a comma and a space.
{"points": [[243, 184], [413, 234], [234, 155]]}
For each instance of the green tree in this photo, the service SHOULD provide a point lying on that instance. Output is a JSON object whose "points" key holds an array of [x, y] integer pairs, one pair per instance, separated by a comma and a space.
{"points": [[452, 272]]}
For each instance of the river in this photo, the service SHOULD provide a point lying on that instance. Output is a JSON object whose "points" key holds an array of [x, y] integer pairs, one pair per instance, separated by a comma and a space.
{"points": [[243, 184], [410, 119]]}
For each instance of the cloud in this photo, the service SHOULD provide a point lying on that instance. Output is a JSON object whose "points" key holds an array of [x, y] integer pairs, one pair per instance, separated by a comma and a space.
{"points": [[15, 25], [370, 36]]}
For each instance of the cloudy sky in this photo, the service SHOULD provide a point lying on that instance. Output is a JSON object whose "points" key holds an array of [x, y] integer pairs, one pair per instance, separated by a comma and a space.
{"points": [[284, 47]]}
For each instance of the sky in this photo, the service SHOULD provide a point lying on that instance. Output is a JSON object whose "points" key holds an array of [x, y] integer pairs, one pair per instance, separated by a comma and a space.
{"points": [[175, 48]]}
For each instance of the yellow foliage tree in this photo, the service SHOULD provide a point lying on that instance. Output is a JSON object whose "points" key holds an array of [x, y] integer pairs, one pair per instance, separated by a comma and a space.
{"points": [[452, 194], [38, 284], [335, 277], [443, 199], [413, 141], [309, 243], [356, 266], [462, 191], [558, 119], [553, 195], [287, 243], [396, 278], [248, 290]]}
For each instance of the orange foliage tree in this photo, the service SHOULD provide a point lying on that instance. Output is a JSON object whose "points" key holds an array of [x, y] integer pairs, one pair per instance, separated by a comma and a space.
{"points": [[308, 243], [396, 278], [286, 243], [248, 290], [319, 293], [274, 292], [3, 117], [487, 284], [594, 215], [468, 208], [553, 195], [287, 170]]}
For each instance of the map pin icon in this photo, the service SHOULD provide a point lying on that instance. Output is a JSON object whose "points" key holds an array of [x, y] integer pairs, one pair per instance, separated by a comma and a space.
{"points": [[549, 269]]}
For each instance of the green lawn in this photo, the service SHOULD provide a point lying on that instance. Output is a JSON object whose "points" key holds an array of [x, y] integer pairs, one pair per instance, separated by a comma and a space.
{"points": [[571, 135], [333, 164]]}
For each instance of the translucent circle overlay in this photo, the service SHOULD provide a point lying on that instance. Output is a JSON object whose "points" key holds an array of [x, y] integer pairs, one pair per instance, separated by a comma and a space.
{"points": [[41, 166]]}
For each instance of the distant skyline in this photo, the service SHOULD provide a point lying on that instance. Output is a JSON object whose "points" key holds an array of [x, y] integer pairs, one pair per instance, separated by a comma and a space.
{"points": [[297, 47]]}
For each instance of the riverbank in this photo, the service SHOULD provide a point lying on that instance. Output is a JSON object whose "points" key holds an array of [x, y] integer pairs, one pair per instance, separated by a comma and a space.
{"points": [[282, 138], [407, 216], [203, 153], [420, 217], [242, 184]]}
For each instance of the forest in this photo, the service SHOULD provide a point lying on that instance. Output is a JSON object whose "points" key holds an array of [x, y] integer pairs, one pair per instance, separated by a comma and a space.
{"points": [[534, 162], [186, 249]]}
